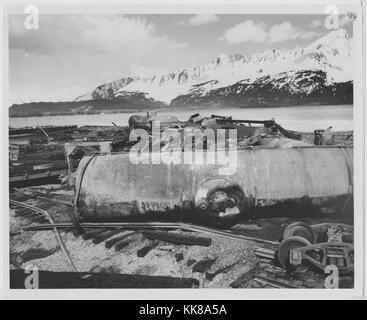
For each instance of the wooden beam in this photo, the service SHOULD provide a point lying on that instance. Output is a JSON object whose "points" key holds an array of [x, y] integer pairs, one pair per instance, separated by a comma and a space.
{"points": [[178, 238], [145, 250]]}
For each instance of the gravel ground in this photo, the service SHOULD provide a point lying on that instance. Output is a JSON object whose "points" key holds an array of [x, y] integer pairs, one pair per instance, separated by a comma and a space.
{"points": [[41, 249]]}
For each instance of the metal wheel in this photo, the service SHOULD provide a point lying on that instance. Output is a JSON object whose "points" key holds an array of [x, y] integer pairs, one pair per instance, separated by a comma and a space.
{"points": [[219, 203], [300, 229], [286, 246]]}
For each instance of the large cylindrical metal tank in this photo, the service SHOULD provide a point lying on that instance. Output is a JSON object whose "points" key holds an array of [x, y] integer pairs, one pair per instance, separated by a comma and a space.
{"points": [[266, 181]]}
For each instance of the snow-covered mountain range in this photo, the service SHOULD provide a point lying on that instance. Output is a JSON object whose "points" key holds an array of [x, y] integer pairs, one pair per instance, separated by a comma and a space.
{"points": [[321, 70]]}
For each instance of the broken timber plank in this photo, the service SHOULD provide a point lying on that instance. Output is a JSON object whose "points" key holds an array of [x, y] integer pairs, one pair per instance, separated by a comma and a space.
{"points": [[190, 262], [144, 251], [265, 253], [179, 256], [90, 234], [177, 238], [104, 236], [203, 265], [122, 244], [244, 278], [78, 232], [211, 275], [273, 283], [110, 243], [270, 251]]}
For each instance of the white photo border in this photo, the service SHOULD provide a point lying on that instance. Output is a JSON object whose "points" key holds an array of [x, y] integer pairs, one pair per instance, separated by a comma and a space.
{"points": [[194, 7]]}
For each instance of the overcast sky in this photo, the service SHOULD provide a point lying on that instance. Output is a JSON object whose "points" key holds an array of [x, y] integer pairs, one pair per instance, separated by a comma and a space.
{"points": [[71, 54]]}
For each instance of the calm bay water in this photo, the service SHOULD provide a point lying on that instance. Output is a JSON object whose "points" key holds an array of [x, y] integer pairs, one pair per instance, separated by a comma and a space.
{"points": [[304, 118]]}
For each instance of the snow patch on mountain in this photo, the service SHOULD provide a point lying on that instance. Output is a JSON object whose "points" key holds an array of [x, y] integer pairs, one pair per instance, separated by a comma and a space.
{"points": [[330, 54]]}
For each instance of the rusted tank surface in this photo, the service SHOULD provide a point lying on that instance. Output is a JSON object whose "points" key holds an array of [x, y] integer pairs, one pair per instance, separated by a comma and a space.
{"points": [[266, 181]]}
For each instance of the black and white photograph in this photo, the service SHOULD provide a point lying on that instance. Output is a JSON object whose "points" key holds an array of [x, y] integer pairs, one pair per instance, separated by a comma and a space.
{"points": [[194, 149]]}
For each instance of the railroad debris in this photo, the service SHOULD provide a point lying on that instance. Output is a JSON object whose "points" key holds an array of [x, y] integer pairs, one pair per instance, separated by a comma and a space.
{"points": [[301, 246], [178, 238], [211, 275], [107, 234], [210, 198], [93, 233], [273, 283], [265, 272], [39, 155], [190, 262], [121, 244], [244, 278], [145, 250], [265, 253], [203, 265], [47, 216], [153, 225], [179, 256], [110, 243]]}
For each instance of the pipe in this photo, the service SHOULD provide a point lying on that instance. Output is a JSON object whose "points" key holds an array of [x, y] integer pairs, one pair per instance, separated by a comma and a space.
{"points": [[52, 225], [153, 225]]}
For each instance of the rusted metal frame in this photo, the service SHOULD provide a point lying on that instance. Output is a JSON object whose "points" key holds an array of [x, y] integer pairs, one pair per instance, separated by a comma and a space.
{"points": [[53, 225], [286, 132], [328, 224], [265, 122], [302, 254], [268, 123]]}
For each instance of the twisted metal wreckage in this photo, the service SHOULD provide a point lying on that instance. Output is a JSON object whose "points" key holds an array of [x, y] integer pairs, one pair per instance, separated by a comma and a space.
{"points": [[276, 174]]}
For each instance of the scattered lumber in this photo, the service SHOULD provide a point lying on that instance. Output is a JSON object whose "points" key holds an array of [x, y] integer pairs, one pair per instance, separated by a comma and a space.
{"points": [[211, 275], [110, 243], [90, 234], [177, 238], [179, 256], [203, 265], [122, 244], [190, 262], [145, 250], [273, 283], [104, 236], [78, 232], [244, 278], [265, 253]]}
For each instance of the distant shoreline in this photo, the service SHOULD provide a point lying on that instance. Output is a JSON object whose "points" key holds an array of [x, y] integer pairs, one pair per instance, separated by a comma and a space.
{"points": [[164, 109]]}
